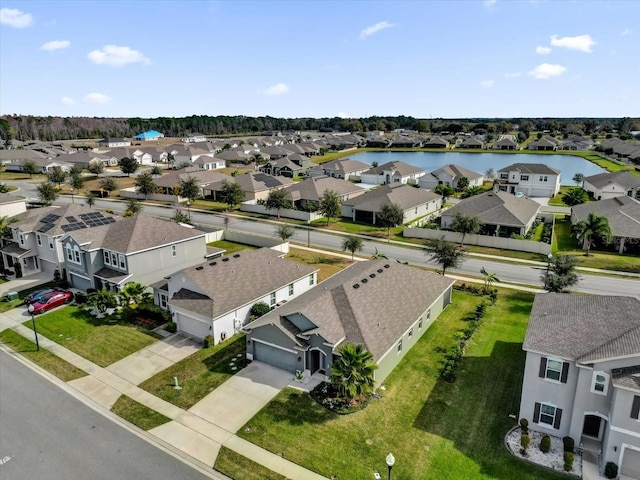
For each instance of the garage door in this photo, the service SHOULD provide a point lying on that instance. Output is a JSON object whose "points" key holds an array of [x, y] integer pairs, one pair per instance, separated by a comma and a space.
{"points": [[275, 357], [79, 282], [630, 463], [192, 326]]}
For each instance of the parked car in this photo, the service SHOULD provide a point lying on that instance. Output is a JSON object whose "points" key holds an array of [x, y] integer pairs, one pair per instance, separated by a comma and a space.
{"points": [[50, 301], [38, 295]]}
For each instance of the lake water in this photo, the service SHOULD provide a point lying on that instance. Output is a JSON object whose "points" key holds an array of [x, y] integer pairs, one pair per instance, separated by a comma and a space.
{"points": [[568, 165]]}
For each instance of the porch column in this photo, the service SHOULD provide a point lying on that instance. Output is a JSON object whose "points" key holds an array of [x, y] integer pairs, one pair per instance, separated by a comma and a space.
{"points": [[621, 248]]}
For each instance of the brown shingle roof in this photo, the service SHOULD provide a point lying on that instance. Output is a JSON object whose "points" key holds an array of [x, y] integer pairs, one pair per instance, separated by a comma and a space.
{"points": [[627, 377], [404, 196], [623, 214], [313, 188], [498, 208], [401, 168], [532, 168]]}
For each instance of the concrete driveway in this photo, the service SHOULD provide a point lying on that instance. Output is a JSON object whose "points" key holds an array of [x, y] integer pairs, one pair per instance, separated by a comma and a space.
{"points": [[236, 401]]}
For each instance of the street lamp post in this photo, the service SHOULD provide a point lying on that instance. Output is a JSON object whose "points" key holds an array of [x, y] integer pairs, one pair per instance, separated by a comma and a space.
{"points": [[546, 278], [72, 195], [33, 322], [309, 233], [390, 461]]}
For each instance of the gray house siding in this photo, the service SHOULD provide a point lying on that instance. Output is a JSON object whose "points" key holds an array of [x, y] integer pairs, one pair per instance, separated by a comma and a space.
{"points": [[270, 345]]}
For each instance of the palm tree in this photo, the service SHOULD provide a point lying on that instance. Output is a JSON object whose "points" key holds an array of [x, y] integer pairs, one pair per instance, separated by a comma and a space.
{"points": [[353, 244], [352, 372], [591, 227], [134, 294], [378, 255], [101, 301], [284, 231], [489, 278], [133, 207]]}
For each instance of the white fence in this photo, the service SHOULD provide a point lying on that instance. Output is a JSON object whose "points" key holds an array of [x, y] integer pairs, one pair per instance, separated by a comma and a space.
{"points": [[158, 197], [284, 212], [480, 240], [255, 240]]}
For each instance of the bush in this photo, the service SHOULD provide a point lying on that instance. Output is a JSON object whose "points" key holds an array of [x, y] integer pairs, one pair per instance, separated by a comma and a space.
{"points": [[171, 327], [568, 443], [81, 298], [524, 426], [493, 296], [208, 341], [568, 461], [525, 440], [545, 444], [611, 470], [481, 309], [259, 309]]}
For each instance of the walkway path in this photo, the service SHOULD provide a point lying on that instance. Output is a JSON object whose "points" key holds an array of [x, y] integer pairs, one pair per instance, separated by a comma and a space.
{"points": [[196, 432]]}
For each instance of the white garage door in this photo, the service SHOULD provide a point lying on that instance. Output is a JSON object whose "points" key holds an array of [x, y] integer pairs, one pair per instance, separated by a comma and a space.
{"points": [[630, 463], [192, 326], [275, 357]]}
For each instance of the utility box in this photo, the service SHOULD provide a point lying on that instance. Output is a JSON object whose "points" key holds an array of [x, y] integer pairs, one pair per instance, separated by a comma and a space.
{"points": [[12, 296]]}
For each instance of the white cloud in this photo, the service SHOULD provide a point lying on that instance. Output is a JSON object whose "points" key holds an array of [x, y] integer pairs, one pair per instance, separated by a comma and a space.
{"points": [[543, 50], [513, 74], [626, 32], [547, 70], [367, 32], [97, 98], [115, 56], [487, 83], [277, 89], [580, 42], [15, 18], [67, 101], [55, 45]]}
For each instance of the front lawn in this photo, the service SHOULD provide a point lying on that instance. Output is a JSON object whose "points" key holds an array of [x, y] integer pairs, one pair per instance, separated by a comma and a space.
{"points": [[327, 265], [199, 374], [436, 430], [43, 358], [101, 341], [230, 247], [236, 466], [138, 414]]}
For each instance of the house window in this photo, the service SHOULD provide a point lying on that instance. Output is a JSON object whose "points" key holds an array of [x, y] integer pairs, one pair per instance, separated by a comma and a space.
{"points": [[114, 259], [291, 289], [400, 346], [272, 299], [635, 407], [600, 383], [107, 258], [410, 332], [173, 251], [50, 242], [544, 178], [163, 301], [548, 415], [311, 279], [504, 176], [524, 178], [420, 324], [69, 253], [553, 369], [21, 238], [428, 314], [502, 188], [122, 264], [76, 254], [39, 239]]}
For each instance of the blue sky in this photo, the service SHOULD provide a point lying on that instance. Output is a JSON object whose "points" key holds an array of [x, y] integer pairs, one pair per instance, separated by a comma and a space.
{"points": [[450, 59]]}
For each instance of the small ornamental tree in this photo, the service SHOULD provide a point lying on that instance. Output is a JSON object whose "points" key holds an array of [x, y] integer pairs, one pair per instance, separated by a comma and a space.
{"points": [[445, 253], [465, 224], [277, 200], [259, 309], [47, 192], [285, 232], [329, 205], [353, 244], [231, 194], [96, 168], [545, 444], [128, 165], [57, 176], [389, 216], [575, 196], [108, 184], [29, 167], [145, 185]]}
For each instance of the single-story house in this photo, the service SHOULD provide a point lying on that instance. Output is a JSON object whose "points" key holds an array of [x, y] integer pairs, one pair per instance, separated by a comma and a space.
{"points": [[384, 306], [114, 142], [472, 142], [17, 156], [582, 375], [149, 135], [194, 137], [449, 175], [415, 203], [311, 190], [215, 297], [501, 214], [206, 162], [436, 142], [11, 205], [505, 143], [614, 184], [203, 177], [255, 185], [344, 168], [392, 172], [84, 158], [544, 143], [43, 165], [623, 214]]}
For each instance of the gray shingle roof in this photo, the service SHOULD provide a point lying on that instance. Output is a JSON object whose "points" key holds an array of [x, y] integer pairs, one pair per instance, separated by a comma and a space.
{"points": [[313, 188], [58, 218], [498, 208], [622, 212], [627, 377], [345, 165], [202, 176], [584, 328], [623, 178], [457, 171], [532, 168], [375, 314], [401, 168], [404, 196], [6, 198]]}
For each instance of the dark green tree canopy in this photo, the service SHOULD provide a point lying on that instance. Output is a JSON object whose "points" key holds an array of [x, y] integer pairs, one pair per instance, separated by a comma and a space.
{"points": [[47, 192], [128, 165], [277, 200], [285, 232], [231, 194], [190, 189], [389, 216], [57, 175], [592, 228], [30, 168], [352, 372], [329, 205], [144, 184], [575, 196], [465, 224], [561, 274], [96, 168], [108, 184], [445, 253], [353, 244]]}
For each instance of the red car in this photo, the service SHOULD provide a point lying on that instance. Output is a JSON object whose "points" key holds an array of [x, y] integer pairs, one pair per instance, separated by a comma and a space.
{"points": [[52, 300]]}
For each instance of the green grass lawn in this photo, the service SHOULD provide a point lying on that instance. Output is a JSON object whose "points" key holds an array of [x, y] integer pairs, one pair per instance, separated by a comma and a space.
{"points": [[327, 265], [564, 243], [435, 430], [43, 358], [138, 414], [236, 466], [349, 226], [198, 374], [99, 340], [231, 247]]}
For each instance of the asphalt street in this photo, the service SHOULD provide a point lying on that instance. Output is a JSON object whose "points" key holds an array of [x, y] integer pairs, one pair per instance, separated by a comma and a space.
{"points": [[46, 433]]}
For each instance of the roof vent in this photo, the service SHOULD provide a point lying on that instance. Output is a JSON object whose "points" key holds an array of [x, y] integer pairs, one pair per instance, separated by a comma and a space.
{"points": [[199, 268], [237, 255], [213, 263], [372, 275], [364, 280], [380, 270], [225, 259], [386, 265], [356, 286]]}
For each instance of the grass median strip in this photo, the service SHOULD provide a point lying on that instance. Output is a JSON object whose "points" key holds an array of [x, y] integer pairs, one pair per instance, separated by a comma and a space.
{"points": [[238, 467], [138, 414], [43, 358]]}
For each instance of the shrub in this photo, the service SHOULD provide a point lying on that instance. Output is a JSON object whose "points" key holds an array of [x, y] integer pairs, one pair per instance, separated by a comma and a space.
{"points": [[525, 440], [611, 470], [568, 461], [493, 296], [568, 443], [208, 341], [81, 298], [545, 444], [171, 327], [481, 309], [524, 426], [259, 309]]}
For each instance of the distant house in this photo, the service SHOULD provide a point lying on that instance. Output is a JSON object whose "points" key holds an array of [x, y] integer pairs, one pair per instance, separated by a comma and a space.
{"points": [[310, 191], [501, 214], [255, 185], [392, 172], [283, 166], [450, 175], [576, 142], [531, 179], [405, 142], [615, 184], [18, 156], [140, 156], [378, 142], [344, 168], [11, 205], [43, 165], [505, 143], [582, 375], [206, 162], [415, 203], [203, 177], [84, 159], [472, 142], [194, 137], [436, 142], [545, 143], [114, 142], [214, 298], [149, 135], [384, 306]]}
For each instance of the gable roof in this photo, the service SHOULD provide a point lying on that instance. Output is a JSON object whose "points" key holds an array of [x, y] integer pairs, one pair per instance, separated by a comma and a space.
{"points": [[396, 166], [532, 168], [202, 176], [584, 328], [345, 165], [388, 299], [622, 212], [405, 196], [313, 188], [54, 221], [233, 281], [623, 178], [252, 182], [497, 208], [456, 171]]}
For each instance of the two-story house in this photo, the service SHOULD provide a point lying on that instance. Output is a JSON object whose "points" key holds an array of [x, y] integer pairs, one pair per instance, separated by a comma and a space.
{"points": [[582, 374], [392, 172], [530, 179]]}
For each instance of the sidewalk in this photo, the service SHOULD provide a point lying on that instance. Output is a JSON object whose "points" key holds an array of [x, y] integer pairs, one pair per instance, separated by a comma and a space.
{"points": [[190, 433]]}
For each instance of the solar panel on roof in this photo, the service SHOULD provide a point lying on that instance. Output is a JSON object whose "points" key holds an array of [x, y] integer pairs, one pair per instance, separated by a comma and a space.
{"points": [[45, 227], [52, 217], [71, 219]]}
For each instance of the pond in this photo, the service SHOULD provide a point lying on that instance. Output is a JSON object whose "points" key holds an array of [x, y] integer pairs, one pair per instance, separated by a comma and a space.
{"points": [[568, 165]]}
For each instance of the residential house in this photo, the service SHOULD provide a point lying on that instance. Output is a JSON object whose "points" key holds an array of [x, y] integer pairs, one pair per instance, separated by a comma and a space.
{"points": [[283, 166], [450, 175], [501, 214], [149, 136], [206, 162], [186, 155], [43, 165], [19, 156], [307, 193], [531, 179], [414, 202], [140, 156], [505, 143], [384, 306], [407, 142], [139, 248], [545, 143], [114, 142], [576, 142], [436, 142], [378, 142], [392, 172], [215, 298], [344, 168], [623, 214], [612, 184], [255, 185], [472, 142], [204, 177], [11, 205], [194, 137], [85, 158], [582, 374]]}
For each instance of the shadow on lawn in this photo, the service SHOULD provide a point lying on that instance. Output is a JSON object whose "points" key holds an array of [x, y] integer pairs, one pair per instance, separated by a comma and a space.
{"points": [[220, 360], [474, 411], [299, 408]]}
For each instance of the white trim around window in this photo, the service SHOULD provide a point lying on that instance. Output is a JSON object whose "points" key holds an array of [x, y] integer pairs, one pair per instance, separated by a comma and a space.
{"points": [[600, 383]]}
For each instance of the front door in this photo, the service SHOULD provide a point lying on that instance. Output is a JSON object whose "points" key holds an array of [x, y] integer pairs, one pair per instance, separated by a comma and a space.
{"points": [[591, 426], [315, 361]]}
